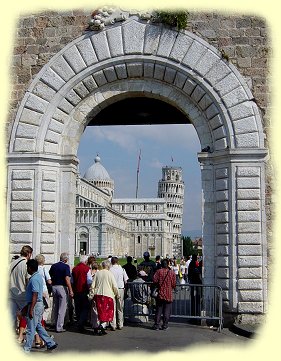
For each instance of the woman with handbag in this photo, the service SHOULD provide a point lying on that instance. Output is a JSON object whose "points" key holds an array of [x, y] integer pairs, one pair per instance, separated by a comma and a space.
{"points": [[165, 280]]}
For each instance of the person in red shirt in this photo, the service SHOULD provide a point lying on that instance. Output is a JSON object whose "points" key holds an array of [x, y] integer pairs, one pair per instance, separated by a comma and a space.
{"points": [[81, 280], [165, 280]]}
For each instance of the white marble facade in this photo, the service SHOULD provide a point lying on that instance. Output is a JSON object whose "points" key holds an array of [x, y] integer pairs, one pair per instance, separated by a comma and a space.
{"points": [[138, 58], [107, 226]]}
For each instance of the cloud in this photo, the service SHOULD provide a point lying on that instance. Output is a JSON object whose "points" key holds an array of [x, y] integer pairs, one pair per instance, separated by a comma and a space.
{"points": [[155, 163], [134, 137]]}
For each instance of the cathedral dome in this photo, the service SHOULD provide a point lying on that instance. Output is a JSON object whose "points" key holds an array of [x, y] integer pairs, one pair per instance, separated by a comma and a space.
{"points": [[96, 171]]}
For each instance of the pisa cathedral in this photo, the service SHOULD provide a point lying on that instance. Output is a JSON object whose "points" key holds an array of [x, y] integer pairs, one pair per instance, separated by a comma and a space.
{"points": [[105, 225]]}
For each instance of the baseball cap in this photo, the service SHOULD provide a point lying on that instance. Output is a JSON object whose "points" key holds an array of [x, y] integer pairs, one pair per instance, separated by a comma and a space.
{"points": [[146, 254]]}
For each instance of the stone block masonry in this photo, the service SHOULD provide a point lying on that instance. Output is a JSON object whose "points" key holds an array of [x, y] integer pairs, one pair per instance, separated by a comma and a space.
{"points": [[244, 39], [88, 75]]}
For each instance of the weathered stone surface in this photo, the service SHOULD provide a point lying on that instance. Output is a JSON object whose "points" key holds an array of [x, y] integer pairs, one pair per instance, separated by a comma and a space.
{"points": [[47, 248], [249, 227], [22, 206], [249, 238], [212, 111], [248, 205], [206, 62], [47, 227], [87, 51], [81, 90], [48, 206], [180, 47], [222, 272], [241, 111], [252, 250], [249, 194], [222, 250], [250, 272], [221, 144], [22, 185], [44, 91], [62, 68], [18, 240], [221, 173], [50, 147], [21, 226], [249, 140], [222, 206], [48, 216], [51, 78], [48, 238], [246, 125], [73, 97], [180, 80], [189, 86], [249, 261], [115, 42], [194, 53], [110, 74], [248, 182], [222, 227], [99, 41], [166, 42], [249, 216], [22, 174], [100, 78], [152, 36], [222, 196], [169, 75], [250, 296], [21, 216], [133, 37], [74, 59], [248, 171], [223, 239], [221, 92], [222, 217], [135, 70], [251, 284]]}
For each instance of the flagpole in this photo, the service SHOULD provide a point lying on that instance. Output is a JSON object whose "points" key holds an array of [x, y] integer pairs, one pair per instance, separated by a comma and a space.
{"points": [[138, 170]]}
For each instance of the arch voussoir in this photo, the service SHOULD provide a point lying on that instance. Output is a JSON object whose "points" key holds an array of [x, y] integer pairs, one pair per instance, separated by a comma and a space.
{"points": [[139, 59]]}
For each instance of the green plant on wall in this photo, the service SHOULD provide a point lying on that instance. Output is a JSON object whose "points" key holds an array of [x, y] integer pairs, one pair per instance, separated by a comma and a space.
{"points": [[176, 19]]}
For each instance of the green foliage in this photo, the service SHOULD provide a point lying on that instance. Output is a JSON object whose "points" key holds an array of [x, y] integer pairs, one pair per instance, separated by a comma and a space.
{"points": [[176, 19], [188, 248], [224, 55]]}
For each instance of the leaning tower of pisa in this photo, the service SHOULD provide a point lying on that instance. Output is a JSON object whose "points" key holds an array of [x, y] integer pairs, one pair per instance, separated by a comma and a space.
{"points": [[171, 188]]}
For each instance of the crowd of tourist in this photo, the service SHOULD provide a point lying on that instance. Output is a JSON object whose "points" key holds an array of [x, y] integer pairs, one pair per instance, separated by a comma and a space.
{"points": [[90, 293]]}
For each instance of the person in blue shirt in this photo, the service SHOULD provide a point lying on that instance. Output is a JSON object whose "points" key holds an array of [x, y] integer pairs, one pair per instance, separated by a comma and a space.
{"points": [[35, 308]]}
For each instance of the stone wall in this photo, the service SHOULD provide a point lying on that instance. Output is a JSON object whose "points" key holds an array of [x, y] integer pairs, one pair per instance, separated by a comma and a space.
{"points": [[241, 39]]}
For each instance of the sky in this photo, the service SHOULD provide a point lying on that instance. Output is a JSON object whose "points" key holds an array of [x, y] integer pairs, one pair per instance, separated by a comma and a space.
{"points": [[160, 145]]}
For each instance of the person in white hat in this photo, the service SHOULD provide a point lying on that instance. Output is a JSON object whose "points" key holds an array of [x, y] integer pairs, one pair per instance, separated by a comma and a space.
{"points": [[138, 288]]}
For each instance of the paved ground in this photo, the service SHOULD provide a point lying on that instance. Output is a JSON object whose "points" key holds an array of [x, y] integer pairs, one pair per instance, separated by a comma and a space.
{"points": [[142, 338]]}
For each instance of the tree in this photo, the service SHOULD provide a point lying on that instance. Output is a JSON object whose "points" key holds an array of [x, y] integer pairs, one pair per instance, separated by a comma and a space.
{"points": [[187, 246]]}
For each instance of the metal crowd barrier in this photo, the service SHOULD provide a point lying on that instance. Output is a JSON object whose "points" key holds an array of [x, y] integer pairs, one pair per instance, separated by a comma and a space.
{"points": [[190, 302]]}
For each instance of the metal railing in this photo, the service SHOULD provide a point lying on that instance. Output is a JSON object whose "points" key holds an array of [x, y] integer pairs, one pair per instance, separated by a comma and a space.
{"points": [[190, 302]]}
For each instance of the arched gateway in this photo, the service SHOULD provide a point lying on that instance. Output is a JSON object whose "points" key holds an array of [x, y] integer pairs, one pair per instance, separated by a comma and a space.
{"points": [[138, 59]]}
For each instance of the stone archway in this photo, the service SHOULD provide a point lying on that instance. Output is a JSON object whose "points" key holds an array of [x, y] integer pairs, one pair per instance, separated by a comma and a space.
{"points": [[139, 59]]}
